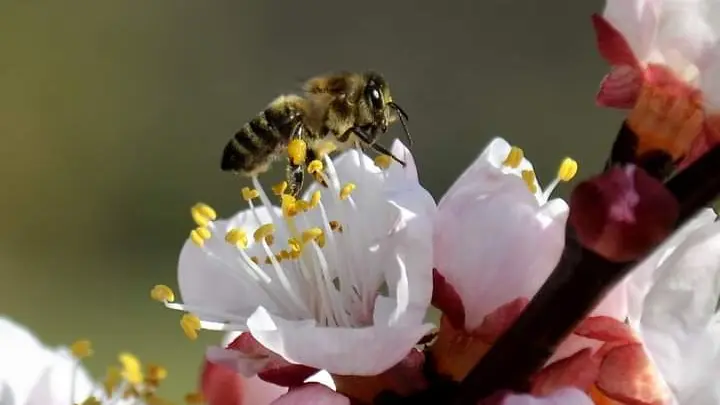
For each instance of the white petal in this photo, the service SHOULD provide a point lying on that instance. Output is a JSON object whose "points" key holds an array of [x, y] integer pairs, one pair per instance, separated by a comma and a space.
{"points": [[346, 351], [679, 323], [565, 396], [684, 34], [494, 244], [322, 377], [312, 394], [636, 20], [217, 283], [6, 394], [55, 386]]}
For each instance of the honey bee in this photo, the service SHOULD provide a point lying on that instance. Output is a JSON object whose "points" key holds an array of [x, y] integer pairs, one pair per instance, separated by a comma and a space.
{"points": [[346, 109]]}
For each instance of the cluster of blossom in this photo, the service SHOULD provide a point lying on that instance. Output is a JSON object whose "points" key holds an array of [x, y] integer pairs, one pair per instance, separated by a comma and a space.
{"points": [[609, 298]]}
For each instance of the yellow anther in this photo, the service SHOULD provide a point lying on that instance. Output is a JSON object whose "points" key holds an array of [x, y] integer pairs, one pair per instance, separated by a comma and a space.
{"points": [[203, 232], [285, 254], [202, 214], [295, 254], [528, 177], [568, 169], [323, 148], [131, 368], [196, 238], [278, 257], [268, 260], [237, 237], [81, 349], [156, 372], [280, 188], [383, 161], [315, 166], [162, 293], [249, 193], [289, 206], [194, 398], [302, 205], [321, 240], [263, 231], [91, 401], [336, 226], [346, 190], [514, 158], [255, 260], [190, 324], [270, 239], [311, 234], [315, 199], [297, 150], [112, 380], [294, 245]]}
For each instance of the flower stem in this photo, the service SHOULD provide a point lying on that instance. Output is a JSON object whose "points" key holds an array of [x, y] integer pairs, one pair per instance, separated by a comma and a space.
{"points": [[579, 282]]}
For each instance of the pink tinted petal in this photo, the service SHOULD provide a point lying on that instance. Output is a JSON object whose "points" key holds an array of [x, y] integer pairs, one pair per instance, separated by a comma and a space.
{"points": [[565, 396], [312, 394], [612, 45], [605, 329], [499, 320], [637, 21], [627, 375], [579, 370], [447, 300], [223, 386], [620, 88]]}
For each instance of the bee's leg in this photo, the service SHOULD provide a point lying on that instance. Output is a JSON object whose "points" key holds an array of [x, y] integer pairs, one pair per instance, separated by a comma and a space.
{"points": [[294, 175], [367, 139], [312, 155]]}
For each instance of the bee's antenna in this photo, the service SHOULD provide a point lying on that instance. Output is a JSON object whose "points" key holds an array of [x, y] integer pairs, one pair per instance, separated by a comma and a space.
{"points": [[403, 120]]}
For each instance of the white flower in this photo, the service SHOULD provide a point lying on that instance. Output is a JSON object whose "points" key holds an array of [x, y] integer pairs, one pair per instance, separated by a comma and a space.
{"points": [[679, 323], [498, 235], [33, 374], [305, 279]]}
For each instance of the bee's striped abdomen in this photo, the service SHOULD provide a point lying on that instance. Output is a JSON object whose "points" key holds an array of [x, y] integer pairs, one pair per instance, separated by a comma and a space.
{"points": [[257, 142]]}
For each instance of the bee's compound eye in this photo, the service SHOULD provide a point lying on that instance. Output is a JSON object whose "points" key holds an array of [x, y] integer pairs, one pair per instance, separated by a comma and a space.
{"points": [[375, 96]]}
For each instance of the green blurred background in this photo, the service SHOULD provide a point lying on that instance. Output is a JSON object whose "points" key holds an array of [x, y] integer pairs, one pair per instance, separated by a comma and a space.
{"points": [[113, 116]]}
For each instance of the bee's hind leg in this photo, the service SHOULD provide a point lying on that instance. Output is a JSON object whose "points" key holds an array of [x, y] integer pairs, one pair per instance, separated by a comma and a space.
{"points": [[367, 139], [295, 176]]}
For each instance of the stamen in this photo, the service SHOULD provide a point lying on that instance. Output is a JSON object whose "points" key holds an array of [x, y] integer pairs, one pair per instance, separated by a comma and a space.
{"points": [[315, 198], [297, 151], [194, 398], [346, 190], [263, 231], [112, 380], [336, 226], [81, 349], [568, 169], [156, 372], [315, 166], [202, 214], [289, 206], [323, 148], [249, 194], [383, 161], [199, 235], [237, 238], [190, 324], [279, 189], [131, 369], [162, 293], [311, 234], [302, 205], [528, 177], [514, 158], [255, 259]]}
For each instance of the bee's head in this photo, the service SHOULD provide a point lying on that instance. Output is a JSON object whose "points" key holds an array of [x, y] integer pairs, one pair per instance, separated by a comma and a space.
{"points": [[380, 104]]}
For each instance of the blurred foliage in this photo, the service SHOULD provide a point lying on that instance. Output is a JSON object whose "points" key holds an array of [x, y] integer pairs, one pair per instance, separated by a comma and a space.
{"points": [[113, 116]]}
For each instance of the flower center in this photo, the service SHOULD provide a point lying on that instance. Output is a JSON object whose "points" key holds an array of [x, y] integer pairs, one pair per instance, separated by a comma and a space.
{"points": [[309, 261], [514, 160]]}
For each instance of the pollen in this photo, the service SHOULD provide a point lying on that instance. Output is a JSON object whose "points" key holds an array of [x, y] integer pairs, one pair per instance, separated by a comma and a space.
{"points": [[131, 369], [81, 349], [383, 161], [336, 226], [528, 177], [249, 194], [311, 234], [297, 151], [162, 293], [346, 190], [285, 254], [237, 237], [190, 324], [302, 205], [268, 260], [279, 189], [315, 199], [289, 206], [270, 239], [199, 235], [194, 398], [323, 148], [567, 170], [514, 158], [202, 214], [156, 372], [315, 166], [255, 260], [294, 245], [263, 231]]}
